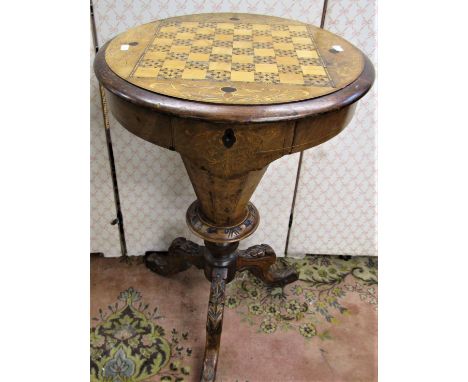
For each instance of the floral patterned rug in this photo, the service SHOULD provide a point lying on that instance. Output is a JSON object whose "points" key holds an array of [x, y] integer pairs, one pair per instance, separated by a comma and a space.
{"points": [[321, 328]]}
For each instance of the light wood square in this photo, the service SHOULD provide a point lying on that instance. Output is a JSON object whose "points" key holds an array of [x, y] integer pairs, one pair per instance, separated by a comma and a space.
{"points": [[243, 76], [202, 43], [280, 33], [146, 72], [156, 55], [242, 32], [314, 69], [283, 45], [297, 28], [287, 60], [301, 40], [264, 52], [162, 41], [180, 49], [206, 31], [194, 74], [266, 68], [185, 36], [226, 66], [224, 37], [199, 57], [242, 59], [242, 44], [174, 64], [225, 25], [291, 78], [306, 53], [261, 27], [262, 38], [221, 50]]}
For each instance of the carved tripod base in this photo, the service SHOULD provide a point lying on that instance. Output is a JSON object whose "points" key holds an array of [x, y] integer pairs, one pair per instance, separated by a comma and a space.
{"points": [[220, 263]]}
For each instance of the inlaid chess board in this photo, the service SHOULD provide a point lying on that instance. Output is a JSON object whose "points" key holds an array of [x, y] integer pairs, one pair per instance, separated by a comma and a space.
{"points": [[265, 53], [234, 58]]}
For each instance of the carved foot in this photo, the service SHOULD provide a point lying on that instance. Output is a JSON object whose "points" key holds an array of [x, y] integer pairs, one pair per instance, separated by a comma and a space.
{"points": [[260, 260], [214, 323], [182, 254]]}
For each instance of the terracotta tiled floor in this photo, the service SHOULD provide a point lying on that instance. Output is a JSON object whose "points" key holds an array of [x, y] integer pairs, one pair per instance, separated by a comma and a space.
{"points": [[321, 328]]}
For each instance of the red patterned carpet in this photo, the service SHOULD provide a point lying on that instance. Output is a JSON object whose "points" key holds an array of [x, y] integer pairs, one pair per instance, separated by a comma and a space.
{"points": [[145, 327]]}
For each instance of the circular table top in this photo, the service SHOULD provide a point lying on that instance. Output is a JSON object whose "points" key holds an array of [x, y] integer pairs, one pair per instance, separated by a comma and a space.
{"points": [[235, 59]]}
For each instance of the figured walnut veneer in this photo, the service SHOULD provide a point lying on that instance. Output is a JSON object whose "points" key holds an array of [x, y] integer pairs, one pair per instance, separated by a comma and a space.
{"points": [[224, 178], [216, 58]]}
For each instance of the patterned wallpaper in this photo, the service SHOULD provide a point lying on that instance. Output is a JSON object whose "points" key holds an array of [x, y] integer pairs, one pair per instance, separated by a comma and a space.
{"points": [[335, 208], [155, 190], [104, 236]]}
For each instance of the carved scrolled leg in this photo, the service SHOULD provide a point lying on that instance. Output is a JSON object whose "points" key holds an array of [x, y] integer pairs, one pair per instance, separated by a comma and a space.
{"points": [[214, 323], [260, 260], [182, 254]]}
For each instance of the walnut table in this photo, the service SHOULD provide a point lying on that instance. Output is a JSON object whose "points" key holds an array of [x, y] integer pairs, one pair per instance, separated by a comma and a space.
{"points": [[231, 93]]}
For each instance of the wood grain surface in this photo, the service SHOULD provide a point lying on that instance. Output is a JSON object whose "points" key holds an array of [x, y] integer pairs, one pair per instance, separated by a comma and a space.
{"points": [[234, 59]]}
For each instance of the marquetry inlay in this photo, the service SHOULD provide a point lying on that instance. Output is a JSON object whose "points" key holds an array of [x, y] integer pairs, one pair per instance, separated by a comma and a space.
{"points": [[234, 59]]}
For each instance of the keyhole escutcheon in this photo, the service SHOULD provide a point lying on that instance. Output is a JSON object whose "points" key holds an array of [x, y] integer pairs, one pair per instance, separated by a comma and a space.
{"points": [[229, 138]]}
